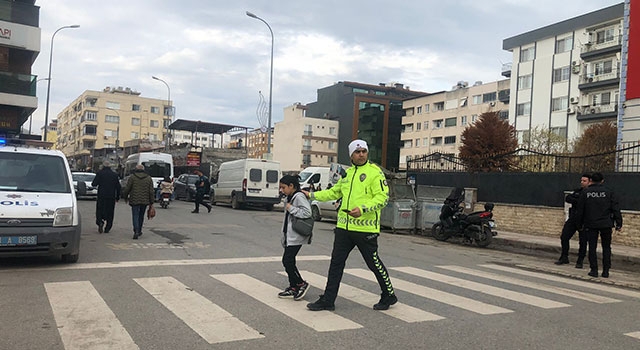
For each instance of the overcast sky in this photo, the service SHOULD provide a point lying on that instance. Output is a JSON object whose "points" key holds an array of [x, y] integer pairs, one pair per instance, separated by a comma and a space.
{"points": [[216, 59]]}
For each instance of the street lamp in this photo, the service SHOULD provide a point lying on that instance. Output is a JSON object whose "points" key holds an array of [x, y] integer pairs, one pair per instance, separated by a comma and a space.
{"points": [[46, 112], [166, 146], [31, 116], [270, 80]]}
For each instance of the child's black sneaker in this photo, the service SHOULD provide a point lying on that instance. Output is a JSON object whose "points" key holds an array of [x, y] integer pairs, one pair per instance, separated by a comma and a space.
{"points": [[301, 291], [288, 293]]}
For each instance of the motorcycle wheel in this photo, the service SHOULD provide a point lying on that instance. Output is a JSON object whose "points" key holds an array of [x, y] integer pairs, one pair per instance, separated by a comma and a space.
{"points": [[438, 232], [484, 237]]}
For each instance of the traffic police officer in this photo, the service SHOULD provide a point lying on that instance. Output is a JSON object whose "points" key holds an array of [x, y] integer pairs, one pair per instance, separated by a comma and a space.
{"points": [[597, 212], [364, 193]]}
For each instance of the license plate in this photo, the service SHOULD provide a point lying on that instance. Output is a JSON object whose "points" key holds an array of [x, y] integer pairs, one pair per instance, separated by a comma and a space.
{"points": [[10, 241], [253, 190], [492, 224]]}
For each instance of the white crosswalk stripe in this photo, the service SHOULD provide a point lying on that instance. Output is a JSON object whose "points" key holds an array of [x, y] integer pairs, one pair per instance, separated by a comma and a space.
{"points": [[591, 285], [84, 320], [267, 294], [399, 310], [211, 322], [434, 294], [538, 286], [634, 335]]}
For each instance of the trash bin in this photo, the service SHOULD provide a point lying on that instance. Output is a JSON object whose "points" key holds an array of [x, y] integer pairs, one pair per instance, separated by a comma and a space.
{"points": [[429, 202], [400, 212]]}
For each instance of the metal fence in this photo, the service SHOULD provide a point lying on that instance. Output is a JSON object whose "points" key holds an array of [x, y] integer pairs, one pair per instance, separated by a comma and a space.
{"points": [[626, 159]]}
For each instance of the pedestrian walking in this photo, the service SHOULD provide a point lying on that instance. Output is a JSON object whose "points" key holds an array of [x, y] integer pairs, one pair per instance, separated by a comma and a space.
{"points": [[570, 226], [364, 193], [597, 212], [202, 186], [139, 193], [296, 205], [108, 184]]}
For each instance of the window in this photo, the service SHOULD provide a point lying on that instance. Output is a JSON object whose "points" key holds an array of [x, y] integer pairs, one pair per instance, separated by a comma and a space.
{"points": [[489, 97], [527, 54], [255, 175], [426, 108], [561, 74], [88, 144], [504, 114], [408, 127], [418, 109], [438, 106], [449, 140], [90, 115], [135, 107], [524, 82], [89, 130], [332, 145], [166, 123], [272, 176], [408, 144], [451, 104], [111, 119], [463, 120], [154, 123], [437, 124], [332, 130], [417, 143], [564, 44], [524, 136], [601, 99], [450, 122], [436, 141], [135, 135], [331, 159], [110, 133], [426, 125], [463, 102], [523, 109], [418, 126], [477, 99], [155, 110], [604, 67], [306, 145], [308, 129], [167, 111], [153, 137], [362, 91], [560, 131], [425, 141], [112, 105], [605, 35], [560, 103], [135, 121]]}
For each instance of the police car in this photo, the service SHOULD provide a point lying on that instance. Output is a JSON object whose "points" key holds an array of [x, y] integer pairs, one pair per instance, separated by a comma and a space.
{"points": [[38, 209]]}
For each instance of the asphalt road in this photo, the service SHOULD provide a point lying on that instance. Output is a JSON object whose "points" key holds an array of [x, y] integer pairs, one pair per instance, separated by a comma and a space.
{"points": [[205, 281]]}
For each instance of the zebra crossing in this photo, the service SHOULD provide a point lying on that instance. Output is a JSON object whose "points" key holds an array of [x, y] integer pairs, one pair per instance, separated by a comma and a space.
{"points": [[85, 321]]}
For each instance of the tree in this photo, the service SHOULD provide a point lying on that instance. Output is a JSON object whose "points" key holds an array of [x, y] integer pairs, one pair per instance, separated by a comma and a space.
{"points": [[597, 147], [489, 136], [544, 140]]}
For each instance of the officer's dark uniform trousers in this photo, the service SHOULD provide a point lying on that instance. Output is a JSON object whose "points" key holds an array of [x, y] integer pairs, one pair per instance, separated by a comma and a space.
{"points": [[343, 244], [605, 238], [568, 230]]}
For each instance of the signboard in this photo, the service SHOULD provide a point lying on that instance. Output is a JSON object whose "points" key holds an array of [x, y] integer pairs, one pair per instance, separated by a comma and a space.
{"points": [[9, 122], [193, 158]]}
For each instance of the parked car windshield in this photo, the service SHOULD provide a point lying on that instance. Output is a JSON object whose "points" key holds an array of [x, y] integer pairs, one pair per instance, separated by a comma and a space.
{"points": [[33, 173]]}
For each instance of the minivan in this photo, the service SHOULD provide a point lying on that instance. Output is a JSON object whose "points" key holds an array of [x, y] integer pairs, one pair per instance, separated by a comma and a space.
{"points": [[248, 182]]}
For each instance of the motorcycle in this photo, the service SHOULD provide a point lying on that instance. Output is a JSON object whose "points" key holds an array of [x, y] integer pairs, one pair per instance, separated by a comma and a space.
{"points": [[165, 200], [474, 227]]}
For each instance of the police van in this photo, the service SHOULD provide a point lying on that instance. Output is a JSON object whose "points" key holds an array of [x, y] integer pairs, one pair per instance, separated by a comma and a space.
{"points": [[38, 209]]}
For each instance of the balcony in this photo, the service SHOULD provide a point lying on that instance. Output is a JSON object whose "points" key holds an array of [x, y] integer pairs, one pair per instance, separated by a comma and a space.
{"points": [[506, 70], [598, 112], [18, 84], [594, 81], [597, 49], [19, 12]]}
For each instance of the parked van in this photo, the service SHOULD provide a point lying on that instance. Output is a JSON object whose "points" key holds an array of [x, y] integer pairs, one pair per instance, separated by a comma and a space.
{"points": [[38, 208], [156, 164], [248, 182], [321, 177]]}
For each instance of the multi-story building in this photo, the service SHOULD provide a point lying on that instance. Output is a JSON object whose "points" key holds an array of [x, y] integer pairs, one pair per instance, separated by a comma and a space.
{"points": [[369, 112], [301, 141], [108, 119], [19, 47], [566, 76], [52, 131], [434, 123], [196, 139], [256, 141]]}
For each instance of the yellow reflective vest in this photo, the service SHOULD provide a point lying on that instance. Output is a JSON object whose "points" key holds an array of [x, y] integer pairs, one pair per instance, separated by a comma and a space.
{"points": [[364, 187]]}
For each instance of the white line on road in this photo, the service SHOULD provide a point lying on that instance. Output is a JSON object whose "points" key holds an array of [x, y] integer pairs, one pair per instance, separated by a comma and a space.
{"points": [[84, 320], [434, 294], [321, 321], [211, 322], [565, 280], [484, 288], [634, 335], [154, 263], [532, 285], [401, 311]]}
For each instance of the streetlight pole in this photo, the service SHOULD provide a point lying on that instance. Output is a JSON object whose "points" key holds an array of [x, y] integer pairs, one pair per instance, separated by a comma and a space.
{"points": [[31, 116], [166, 146], [270, 80], [46, 112]]}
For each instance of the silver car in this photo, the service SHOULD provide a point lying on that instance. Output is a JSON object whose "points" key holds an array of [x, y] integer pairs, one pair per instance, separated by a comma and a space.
{"points": [[325, 210], [87, 178]]}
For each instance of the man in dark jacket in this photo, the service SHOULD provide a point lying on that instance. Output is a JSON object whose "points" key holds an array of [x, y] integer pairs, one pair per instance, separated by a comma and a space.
{"points": [[109, 188], [139, 192], [597, 206], [202, 187], [570, 226]]}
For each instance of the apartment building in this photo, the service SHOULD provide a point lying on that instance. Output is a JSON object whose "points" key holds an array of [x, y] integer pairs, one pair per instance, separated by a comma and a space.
{"points": [[434, 123], [369, 112], [196, 139], [108, 119], [301, 141], [566, 76], [19, 47]]}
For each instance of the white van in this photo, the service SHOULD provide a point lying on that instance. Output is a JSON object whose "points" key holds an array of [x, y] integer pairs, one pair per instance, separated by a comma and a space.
{"points": [[38, 209], [156, 164], [248, 182], [321, 177]]}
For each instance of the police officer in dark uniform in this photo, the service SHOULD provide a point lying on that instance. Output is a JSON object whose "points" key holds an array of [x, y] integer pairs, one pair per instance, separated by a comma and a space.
{"points": [[596, 213], [570, 226]]}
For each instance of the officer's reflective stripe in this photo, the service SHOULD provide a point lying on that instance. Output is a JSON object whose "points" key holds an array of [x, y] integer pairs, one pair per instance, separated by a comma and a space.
{"points": [[84, 320], [572, 293], [634, 335], [485, 288], [267, 294], [211, 322], [434, 294]]}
